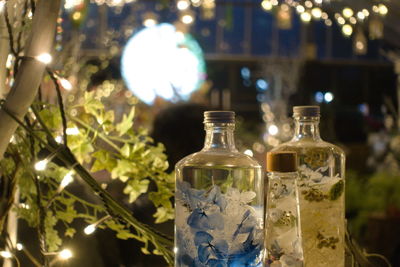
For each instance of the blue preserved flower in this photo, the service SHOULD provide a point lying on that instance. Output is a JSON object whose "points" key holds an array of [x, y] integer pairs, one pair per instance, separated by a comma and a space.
{"points": [[199, 219], [217, 263], [192, 197], [246, 225], [248, 255], [215, 197]]}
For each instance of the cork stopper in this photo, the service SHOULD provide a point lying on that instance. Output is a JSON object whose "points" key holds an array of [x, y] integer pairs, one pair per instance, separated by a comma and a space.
{"points": [[306, 111], [282, 161], [219, 117]]}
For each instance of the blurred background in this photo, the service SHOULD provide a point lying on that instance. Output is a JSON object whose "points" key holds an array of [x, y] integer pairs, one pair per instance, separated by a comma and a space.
{"points": [[258, 58]]}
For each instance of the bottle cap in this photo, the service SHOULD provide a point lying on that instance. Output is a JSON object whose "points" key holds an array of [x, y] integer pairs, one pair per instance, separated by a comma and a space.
{"points": [[306, 111], [282, 161], [219, 117]]}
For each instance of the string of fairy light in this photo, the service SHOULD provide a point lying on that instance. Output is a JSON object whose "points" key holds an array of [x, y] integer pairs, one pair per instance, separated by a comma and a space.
{"points": [[315, 10]]}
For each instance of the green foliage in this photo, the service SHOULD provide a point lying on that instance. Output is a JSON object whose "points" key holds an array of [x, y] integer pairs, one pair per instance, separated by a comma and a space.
{"points": [[101, 143]]}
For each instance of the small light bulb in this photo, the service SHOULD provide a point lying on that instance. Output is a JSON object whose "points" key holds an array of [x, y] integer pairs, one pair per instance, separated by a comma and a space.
{"points": [[316, 12], [89, 229], [328, 22], [347, 12], [6, 254], [65, 84], [68, 178], [360, 15], [366, 12], [306, 17], [65, 254], [149, 22], [341, 20], [383, 10], [347, 30], [183, 4], [266, 5], [187, 19], [273, 129], [300, 9], [19, 246], [353, 20], [41, 165], [72, 131], [248, 152], [45, 58], [328, 97], [59, 139]]}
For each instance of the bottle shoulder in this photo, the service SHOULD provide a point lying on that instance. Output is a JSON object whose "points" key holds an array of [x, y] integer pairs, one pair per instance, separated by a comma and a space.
{"points": [[218, 158], [304, 146]]}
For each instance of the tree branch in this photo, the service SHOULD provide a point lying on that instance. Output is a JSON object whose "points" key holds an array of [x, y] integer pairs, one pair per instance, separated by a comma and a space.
{"points": [[30, 71]]}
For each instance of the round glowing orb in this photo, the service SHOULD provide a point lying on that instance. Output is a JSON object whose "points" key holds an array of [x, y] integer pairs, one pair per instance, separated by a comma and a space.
{"points": [[160, 61]]}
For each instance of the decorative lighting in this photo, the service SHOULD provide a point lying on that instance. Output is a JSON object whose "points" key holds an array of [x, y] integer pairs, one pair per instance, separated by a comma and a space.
{"points": [[324, 15], [300, 9], [347, 30], [187, 18], [70, 4], [353, 20], [68, 178], [273, 129], [6, 254], [19, 246], [76, 15], [318, 1], [383, 10], [41, 165], [365, 12], [149, 19], [275, 2], [65, 254], [306, 17], [2, 4], [45, 58], [316, 12], [308, 4], [319, 97], [375, 9], [72, 131], [65, 84], [328, 97], [90, 229], [347, 12], [249, 152], [58, 139], [328, 22], [341, 20], [360, 15], [266, 5], [183, 4]]}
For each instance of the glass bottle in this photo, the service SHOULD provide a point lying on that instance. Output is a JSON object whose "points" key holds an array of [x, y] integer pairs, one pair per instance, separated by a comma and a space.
{"points": [[219, 201], [321, 190], [283, 235]]}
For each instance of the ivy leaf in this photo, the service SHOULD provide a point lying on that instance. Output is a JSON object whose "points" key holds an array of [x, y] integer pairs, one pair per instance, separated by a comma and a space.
{"points": [[70, 232], [126, 123], [135, 188], [92, 105], [163, 215]]}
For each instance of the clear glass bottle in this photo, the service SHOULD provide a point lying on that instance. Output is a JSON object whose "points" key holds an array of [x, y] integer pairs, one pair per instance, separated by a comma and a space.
{"points": [[283, 236], [321, 190], [219, 201]]}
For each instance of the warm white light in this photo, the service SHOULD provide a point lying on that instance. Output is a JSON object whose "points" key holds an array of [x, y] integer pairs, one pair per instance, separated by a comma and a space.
{"points": [[300, 9], [383, 10], [10, 58], [72, 131], [149, 22], [366, 12], [6, 254], [347, 29], [273, 129], [308, 4], [328, 97], [360, 15], [328, 22], [318, 1], [58, 139], [175, 250], [45, 58], [65, 84], [187, 19], [353, 20], [65, 254], [316, 12], [275, 2], [2, 4], [341, 20], [69, 4], [360, 45], [249, 152], [375, 9], [41, 165], [68, 178], [347, 12], [324, 15], [266, 5], [183, 4], [89, 229], [306, 17], [19, 246]]}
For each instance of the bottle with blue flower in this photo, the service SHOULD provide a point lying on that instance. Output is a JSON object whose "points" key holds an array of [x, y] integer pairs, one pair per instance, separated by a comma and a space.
{"points": [[283, 235], [219, 202]]}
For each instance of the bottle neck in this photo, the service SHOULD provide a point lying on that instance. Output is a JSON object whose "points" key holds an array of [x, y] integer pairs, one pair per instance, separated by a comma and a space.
{"points": [[306, 128], [219, 136]]}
